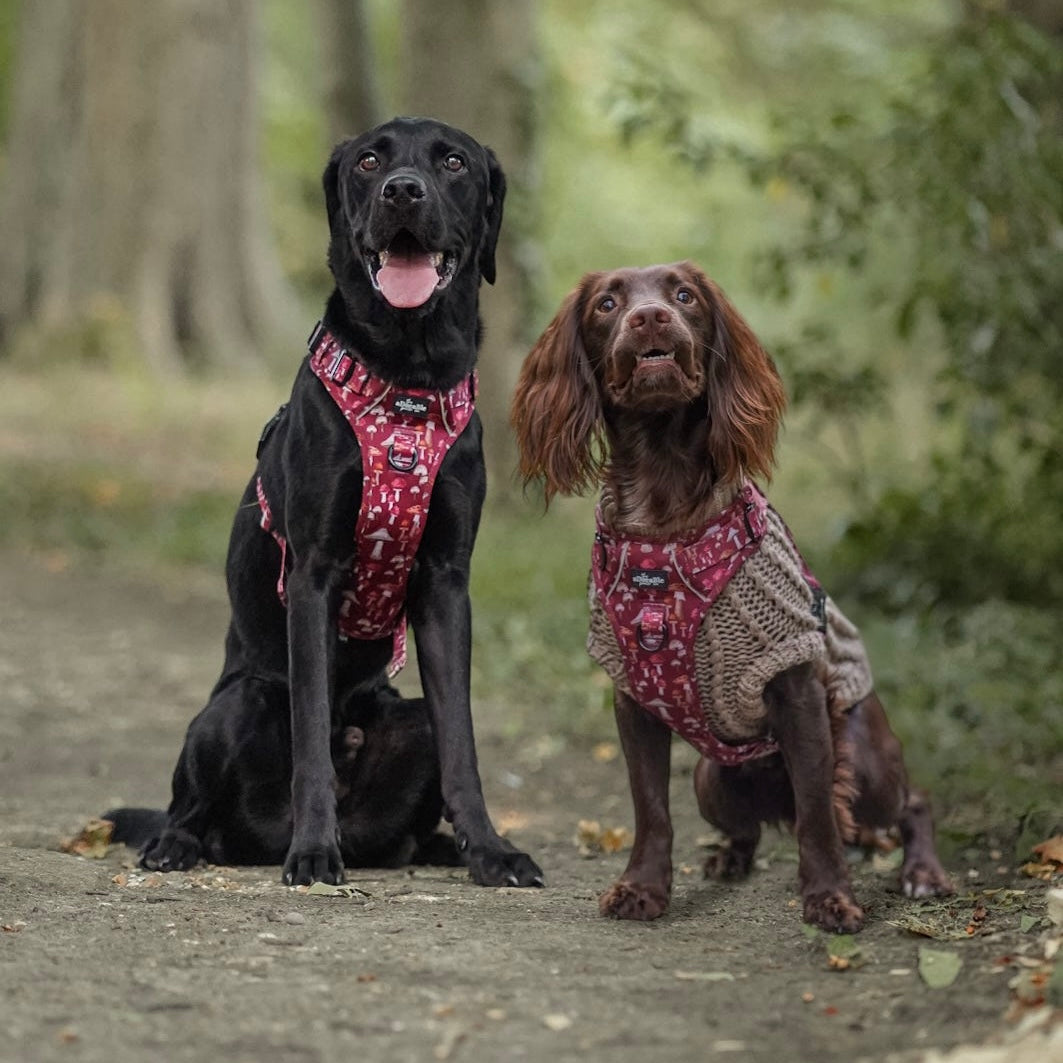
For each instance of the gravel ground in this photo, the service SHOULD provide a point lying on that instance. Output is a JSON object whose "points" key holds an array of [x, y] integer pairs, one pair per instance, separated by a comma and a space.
{"points": [[100, 672]]}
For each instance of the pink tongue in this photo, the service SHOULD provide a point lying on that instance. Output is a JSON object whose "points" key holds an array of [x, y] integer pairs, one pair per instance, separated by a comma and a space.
{"points": [[407, 282]]}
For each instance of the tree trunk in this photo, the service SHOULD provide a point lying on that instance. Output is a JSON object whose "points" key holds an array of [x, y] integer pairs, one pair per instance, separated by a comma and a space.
{"points": [[352, 98], [133, 196], [475, 64]]}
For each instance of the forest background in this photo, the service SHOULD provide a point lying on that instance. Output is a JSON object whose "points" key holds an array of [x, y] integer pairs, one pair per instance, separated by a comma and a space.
{"points": [[876, 184]]}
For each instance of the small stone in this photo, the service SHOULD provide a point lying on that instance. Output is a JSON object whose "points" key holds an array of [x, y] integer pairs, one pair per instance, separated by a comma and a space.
{"points": [[294, 918]]}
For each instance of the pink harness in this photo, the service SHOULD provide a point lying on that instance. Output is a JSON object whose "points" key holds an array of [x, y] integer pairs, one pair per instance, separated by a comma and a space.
{"points": [[404, 435], [656, 595]]}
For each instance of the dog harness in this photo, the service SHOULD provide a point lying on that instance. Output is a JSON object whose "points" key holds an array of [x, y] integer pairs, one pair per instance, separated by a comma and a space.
{"points": [[404, 435], [693, 629]]}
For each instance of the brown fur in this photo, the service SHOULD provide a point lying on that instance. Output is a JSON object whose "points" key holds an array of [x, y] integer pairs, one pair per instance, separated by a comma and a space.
{"points": [[650, 385]]}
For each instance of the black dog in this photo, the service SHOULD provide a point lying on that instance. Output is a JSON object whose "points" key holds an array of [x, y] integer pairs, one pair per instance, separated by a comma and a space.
{"points": [[304, 753]]}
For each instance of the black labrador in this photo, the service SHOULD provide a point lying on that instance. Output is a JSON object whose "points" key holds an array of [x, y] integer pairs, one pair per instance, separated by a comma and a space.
{"points": [[305, 754]]}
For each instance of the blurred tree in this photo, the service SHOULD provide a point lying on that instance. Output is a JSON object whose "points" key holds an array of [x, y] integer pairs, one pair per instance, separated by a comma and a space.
{"points": [[475, 64], [352, 93], [132, 202], [943, 186]]}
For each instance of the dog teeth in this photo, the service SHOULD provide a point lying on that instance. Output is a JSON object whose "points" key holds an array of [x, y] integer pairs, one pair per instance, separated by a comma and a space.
{"points": [[382, 258], [656, 356], [437, 259]]}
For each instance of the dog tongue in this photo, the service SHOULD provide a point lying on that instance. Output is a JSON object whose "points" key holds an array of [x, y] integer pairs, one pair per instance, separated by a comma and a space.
{"points": [[407, 280]]}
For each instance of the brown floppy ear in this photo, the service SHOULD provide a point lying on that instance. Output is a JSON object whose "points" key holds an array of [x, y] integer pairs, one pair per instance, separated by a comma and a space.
{"points": [[746, 396], [556, 411]]}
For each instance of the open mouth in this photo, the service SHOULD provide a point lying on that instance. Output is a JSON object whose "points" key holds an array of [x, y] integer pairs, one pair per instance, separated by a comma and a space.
{"points": [[406, 273], [655, 356]]}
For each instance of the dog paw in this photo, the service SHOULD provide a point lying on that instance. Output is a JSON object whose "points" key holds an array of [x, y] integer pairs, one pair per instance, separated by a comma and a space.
{"points": [[836, 911], [923, 878], [305, 865], [633, 900], [506, 866], [173, 850], [729, 863]]}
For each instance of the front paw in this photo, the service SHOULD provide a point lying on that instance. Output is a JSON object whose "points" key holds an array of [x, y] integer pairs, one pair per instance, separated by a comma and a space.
{"points": [[173, 850], [634, 900], [923, 878], [502, 865], [836, 911], [305, 864]]}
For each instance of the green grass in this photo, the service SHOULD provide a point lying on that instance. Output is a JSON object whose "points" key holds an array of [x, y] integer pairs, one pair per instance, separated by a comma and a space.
{"points": [[116, 466]]}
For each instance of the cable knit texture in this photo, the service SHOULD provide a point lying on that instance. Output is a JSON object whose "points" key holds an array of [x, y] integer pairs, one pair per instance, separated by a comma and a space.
{"points": [[765, 615]]}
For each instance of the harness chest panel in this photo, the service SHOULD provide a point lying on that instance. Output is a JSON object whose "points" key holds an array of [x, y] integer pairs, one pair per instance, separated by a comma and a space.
{"points": [[694, 628], [403, 434]]}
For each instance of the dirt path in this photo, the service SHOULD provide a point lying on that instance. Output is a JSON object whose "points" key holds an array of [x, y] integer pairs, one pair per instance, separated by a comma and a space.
{"points": [[99, 675]]}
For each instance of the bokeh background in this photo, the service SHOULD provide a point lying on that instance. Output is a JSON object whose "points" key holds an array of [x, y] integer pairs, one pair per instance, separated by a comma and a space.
{"points": [[878, 185]]}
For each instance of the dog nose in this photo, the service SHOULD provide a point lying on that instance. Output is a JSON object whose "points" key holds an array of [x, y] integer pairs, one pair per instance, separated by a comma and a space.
{"points": [[648, 314], [404, 186]]}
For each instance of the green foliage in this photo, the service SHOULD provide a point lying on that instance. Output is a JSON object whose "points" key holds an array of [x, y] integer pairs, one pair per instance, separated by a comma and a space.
{"points": [[977, 700], [941, 190]]}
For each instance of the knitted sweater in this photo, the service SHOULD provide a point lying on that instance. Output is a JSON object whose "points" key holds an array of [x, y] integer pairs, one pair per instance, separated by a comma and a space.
{"points": [[694, 628]]}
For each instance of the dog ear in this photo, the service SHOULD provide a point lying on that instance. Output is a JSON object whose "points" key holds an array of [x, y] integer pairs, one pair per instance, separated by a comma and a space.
{"points": [[746, 396], [496, 195], [557, 411], [330, 180]]}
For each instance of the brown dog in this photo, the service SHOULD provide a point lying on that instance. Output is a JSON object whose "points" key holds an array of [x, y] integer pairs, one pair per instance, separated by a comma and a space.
{"points": [[649, 384]]}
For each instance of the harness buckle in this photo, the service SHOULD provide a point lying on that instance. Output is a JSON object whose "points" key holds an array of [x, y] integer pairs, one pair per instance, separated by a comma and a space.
{"points": [[652, 627], [403, 454]]}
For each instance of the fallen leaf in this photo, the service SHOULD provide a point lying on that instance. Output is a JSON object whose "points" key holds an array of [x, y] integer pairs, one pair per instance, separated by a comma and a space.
{"points": [[885, 861], [926, 929], [557, 1022], [325, 889], [92, 841], [1050, 850], [843, 952], [605, 752], [592, 838], [1027, 923], [1054, 906], [1044, 872], [938, 969]]}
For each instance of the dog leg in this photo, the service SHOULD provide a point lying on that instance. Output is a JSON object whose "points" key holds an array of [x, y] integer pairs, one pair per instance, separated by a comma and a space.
{"points": [[313, 595], [726, 801], [797, 712], [442, 625], [885, 799], [921, 874], [643, 890]]}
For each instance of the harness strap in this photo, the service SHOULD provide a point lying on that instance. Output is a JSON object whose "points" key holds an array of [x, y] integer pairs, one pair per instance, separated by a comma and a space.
{"points": [[656, 595], [403, 435]]}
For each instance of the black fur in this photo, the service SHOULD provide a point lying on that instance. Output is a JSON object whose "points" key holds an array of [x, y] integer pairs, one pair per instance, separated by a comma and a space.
{"points": [[304, 755]]}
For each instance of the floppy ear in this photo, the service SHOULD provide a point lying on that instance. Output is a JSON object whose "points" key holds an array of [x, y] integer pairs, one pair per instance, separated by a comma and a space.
{"points": [[330, 180], [496, 195], [557, 410], [746, 396]]}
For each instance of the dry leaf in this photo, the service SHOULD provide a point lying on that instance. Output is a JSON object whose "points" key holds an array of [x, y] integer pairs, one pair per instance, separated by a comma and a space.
{"points": [[592, 838], [938, 969], [92, 841], [557, 1022], [605, 752], [1050, 850]]}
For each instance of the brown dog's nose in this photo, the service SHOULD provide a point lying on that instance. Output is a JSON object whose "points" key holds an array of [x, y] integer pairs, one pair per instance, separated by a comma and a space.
{"points": [[648, 314]]}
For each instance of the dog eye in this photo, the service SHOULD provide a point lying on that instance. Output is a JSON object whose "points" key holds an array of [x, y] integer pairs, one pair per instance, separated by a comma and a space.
{"points": [[368, 162], [454, 162], [606, 303], [684, 295]]}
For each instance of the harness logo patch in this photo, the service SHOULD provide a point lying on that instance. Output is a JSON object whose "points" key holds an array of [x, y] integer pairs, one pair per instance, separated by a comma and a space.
{"points": [[411, 405], [649, 579]]}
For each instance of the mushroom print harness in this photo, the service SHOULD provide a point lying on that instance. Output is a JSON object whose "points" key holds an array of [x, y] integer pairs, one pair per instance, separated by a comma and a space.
{"points": [[404, 435], [694, 628]]}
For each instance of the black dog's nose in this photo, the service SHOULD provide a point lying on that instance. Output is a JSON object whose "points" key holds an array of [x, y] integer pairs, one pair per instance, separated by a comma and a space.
{"points": [[642, 315], [404, 186]]}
